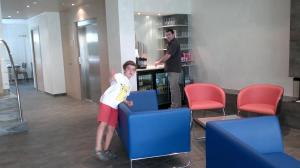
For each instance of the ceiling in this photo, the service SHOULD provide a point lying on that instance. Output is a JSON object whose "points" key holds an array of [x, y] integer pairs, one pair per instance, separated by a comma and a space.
{"points": [[24, 9]]}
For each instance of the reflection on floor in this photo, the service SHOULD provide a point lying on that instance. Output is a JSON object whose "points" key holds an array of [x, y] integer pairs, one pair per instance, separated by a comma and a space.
{"points": [[62, 134]]}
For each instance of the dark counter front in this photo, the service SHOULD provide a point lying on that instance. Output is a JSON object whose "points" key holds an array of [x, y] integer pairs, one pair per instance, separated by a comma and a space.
{"points": [[156, 79]]}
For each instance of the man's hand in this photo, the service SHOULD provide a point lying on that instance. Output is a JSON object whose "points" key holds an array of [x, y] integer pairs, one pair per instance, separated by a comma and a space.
{"points": [[162, 60], [156, 63]]}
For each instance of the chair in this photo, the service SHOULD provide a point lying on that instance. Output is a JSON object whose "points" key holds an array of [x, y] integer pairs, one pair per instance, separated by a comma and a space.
{"points": [[10, 73], [148, 132], [259, 98], [22, 70], [205, 96]]}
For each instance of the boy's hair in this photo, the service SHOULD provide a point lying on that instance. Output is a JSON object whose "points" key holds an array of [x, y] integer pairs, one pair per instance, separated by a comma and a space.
{"points": [[127, 63], [170, 30]]}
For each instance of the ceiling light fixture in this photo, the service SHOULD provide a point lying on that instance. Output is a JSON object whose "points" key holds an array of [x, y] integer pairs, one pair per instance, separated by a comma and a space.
{"points": [[28, 6], [34, 2], [73, 4], [9, 16], [18, 12], [158, 14], [139, 13]]}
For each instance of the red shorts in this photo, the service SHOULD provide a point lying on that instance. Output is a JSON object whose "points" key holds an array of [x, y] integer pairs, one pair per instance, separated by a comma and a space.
{"points": [[108, 115]]}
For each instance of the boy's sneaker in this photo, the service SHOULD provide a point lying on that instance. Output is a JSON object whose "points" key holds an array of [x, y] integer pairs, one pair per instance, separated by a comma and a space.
{"points": [[101, 155], [110, 155]]}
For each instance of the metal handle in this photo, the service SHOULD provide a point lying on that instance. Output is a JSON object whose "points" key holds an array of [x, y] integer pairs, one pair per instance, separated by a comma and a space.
{"points": [[16, 80]]}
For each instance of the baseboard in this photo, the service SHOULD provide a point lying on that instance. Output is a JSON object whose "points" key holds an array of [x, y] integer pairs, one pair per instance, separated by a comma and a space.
{"points": [[56, 95]]}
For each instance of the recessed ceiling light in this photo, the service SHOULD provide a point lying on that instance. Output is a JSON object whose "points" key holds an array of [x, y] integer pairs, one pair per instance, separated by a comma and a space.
{"points": [[18, 12], [9, 16], [34, 2], [139, 13], [158, 14], [28, 6], [73, 4]]}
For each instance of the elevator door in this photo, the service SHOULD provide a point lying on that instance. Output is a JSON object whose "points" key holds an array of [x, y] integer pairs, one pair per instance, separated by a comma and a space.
{"points": [[37, 58], [89, 59]]}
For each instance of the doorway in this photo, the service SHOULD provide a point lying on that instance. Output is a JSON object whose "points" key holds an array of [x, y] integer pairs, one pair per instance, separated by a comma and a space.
{"points": [[89, 59], [37, 60]]}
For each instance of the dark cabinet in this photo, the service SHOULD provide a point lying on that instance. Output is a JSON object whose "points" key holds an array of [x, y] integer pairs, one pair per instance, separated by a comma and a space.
{"points": [[157, 79]]}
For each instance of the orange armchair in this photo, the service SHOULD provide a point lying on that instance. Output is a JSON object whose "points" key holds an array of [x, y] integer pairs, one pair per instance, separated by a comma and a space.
{"points": [[205, 96], [259, 98]]}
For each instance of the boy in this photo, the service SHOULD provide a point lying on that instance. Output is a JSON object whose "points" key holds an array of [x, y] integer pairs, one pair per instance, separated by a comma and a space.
{"points": [[108, 113]]}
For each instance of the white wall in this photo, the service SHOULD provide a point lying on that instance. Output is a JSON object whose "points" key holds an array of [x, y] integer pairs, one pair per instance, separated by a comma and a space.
{"points": [[148, 35], [3, 70], [16, 36], [51, 51], [113, 34], [163, 6], [120, 34], [239, 42]]}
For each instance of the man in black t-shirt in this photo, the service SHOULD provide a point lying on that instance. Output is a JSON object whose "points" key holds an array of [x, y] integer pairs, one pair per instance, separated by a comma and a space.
{"points": [[172, 60]]}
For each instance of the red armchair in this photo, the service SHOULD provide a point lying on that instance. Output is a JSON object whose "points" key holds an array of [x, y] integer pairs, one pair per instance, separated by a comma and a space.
{"points": [[259, 98], [205, 96]]}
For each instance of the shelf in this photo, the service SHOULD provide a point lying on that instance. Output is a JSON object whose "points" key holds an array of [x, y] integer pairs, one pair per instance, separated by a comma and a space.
{"points": [[164, 49], [166, 26], [178, 37], [186, 64]]}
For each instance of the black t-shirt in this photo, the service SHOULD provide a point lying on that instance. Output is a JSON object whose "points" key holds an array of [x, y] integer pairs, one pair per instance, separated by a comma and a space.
{"points": [[173, 64]]}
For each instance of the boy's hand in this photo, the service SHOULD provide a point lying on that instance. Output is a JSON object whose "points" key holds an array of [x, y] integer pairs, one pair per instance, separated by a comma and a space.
{"points": [[129, 103], [112, 73]]}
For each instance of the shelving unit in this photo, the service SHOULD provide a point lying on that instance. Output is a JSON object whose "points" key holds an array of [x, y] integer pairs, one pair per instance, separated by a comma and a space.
{"points": [[180, 23], [157, 78], [169, 26]]}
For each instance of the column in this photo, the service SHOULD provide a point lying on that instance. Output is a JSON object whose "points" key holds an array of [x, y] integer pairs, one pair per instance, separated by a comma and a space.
{"points": [[120, 34]]}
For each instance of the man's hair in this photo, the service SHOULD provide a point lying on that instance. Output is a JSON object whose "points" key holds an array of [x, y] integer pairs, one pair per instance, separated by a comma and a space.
{"points": [[170, 30], [127, 63]]}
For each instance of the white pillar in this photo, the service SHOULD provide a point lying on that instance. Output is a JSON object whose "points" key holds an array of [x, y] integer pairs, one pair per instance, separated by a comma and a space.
{"points": [[120, 34], [4, 83]]}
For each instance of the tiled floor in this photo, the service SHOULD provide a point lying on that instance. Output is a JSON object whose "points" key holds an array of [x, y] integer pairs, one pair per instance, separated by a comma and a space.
{"points": [[62, 134]]}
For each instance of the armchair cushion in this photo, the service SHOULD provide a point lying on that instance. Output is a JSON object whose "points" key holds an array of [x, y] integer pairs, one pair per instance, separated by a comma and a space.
{"points": [[259, 108], [206, 104], [143, 102]]}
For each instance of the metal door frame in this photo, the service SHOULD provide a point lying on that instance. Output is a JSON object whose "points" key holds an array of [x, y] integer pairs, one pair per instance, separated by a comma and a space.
{"points": [[78, 24], [34, 57]]}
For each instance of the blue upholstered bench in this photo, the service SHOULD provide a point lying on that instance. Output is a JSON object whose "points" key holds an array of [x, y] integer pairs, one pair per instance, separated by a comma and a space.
{"points": [[246, 143]]}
